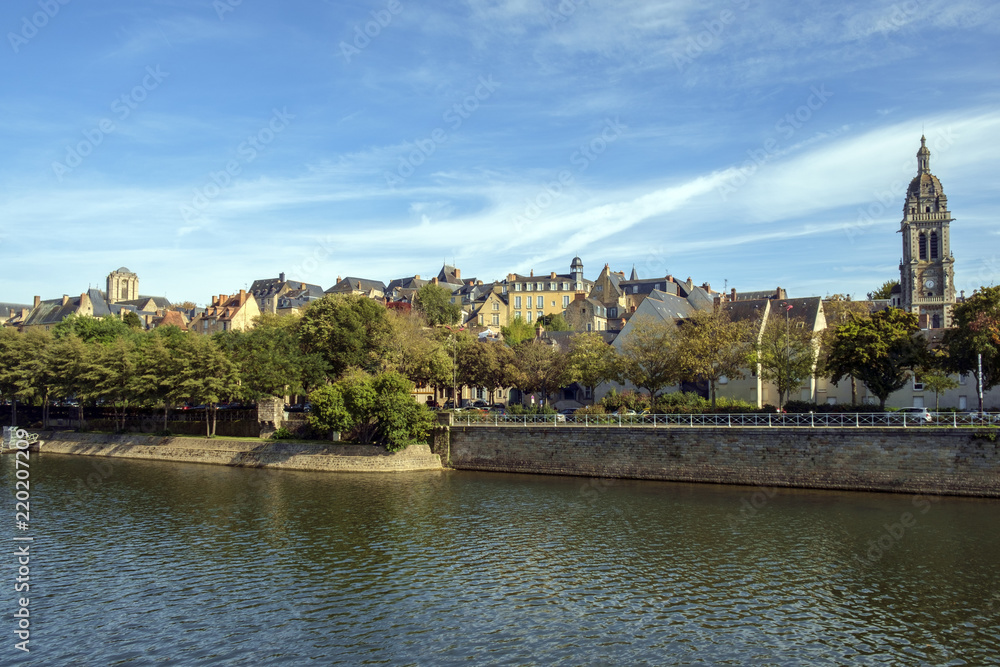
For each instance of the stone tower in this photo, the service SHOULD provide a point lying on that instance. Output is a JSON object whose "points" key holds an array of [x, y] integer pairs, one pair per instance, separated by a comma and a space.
{"points": [[926, 273], [123, 285], [576, 270]]}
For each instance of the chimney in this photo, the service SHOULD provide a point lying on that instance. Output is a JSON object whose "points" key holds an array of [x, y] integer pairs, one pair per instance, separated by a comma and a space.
{"points": [[65, 299], [532, 274], [579, 296], [434, 280], [732, 294], [552, 275], [417, 277], [85, 302], [458, 274], [38, 300], [706, 287], [281, 277], [24, 313], [670, 278], [215, 300], [243, 296]]}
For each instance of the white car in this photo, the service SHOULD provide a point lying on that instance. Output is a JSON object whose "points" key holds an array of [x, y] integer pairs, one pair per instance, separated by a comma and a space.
{"points": [[912, 415]]}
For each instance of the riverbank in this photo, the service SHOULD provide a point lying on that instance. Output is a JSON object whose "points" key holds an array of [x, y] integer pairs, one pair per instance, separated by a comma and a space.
{"points": [[242, 453], [936, 461]]}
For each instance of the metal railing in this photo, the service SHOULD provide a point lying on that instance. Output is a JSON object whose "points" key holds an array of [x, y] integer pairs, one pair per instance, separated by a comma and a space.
{"points": [[761, 420]]}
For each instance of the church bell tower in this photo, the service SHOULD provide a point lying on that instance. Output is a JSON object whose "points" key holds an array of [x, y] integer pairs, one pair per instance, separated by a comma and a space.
{"points": [[926, 273]]}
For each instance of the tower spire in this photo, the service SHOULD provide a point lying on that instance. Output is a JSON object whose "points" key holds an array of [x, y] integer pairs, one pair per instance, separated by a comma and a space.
{"points": [[923, 157]]}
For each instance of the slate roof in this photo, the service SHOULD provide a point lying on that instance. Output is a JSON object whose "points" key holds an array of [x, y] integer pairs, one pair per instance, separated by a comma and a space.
{"points": [[351, 283], [7, 308]]}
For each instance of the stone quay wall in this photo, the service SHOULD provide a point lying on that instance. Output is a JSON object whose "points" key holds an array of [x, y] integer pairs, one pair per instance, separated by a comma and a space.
{"points": [[912, 460], [249, 454]]}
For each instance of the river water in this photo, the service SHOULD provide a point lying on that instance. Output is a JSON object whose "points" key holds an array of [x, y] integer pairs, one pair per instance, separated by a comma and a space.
{"points": [[138, 563]]}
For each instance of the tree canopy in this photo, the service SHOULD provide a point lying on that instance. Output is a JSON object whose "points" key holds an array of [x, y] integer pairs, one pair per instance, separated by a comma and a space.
{"points": [[881, 351], [434, 301], [976, 331]]}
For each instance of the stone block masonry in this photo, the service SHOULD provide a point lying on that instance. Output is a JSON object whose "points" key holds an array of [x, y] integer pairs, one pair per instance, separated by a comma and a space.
{"points": [[267, 454], [913, 460]]}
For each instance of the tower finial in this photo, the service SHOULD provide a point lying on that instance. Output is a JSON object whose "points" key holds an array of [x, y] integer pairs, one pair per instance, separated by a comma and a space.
{"points": [[923, 157]]}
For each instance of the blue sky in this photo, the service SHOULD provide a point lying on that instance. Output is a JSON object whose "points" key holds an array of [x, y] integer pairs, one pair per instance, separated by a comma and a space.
{"points": [[206, 144]]}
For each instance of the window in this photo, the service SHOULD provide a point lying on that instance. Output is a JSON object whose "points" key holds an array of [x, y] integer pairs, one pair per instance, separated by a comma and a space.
{"points": [[496, 305], [566, 301], [540, 301], [963, 379], [565, 287], [480, 319], [936, 321], [600, 288], [934, 245], [552, 287], [517, 287], [922, 246], [539, 287], [517, 301], [496, 320], [917, 386], [529, 315], [553, 303], [612, 312], [926, 210], [541, 314], [517, 315], [589, 326]]}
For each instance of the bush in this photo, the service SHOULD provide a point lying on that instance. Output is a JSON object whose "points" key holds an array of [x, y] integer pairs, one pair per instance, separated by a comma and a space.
{"points": [[627, 400], [282, 434], [517, 409], [837, 408], [597, 409]]}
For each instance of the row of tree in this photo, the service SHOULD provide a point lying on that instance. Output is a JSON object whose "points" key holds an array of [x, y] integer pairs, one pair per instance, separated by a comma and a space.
{"points": [[109, 362]]}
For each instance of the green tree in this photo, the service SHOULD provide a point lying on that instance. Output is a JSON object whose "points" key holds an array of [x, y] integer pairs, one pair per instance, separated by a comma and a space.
{"points": [[541, 368], [487, 364], [71, 362], [207, 376], [36, 382], [881, 351], [884, 291], [114, 376], [712, 346], [329, 412], [649, 356], [347, 330], [517, 332], [11, 354], [938, 382], [269, 359], [434, 301], [839, 309], [92, 329], [376, 409], [786, 354], [555, 322], [132, 321], [592, 361], [976, 332]]}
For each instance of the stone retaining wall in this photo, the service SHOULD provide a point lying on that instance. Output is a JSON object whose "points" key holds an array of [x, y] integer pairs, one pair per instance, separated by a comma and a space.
{"points": [[917, 460], [266, 454]]}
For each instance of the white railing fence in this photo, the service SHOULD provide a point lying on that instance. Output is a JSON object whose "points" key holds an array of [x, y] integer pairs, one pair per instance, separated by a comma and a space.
{"points": [[765, 420]]}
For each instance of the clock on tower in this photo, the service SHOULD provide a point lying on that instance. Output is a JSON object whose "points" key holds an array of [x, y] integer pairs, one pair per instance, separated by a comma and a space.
{"points": [[926, 273]]}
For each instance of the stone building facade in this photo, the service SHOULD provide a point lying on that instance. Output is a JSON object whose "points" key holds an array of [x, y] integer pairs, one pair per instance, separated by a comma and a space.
{"points": [[926, 272]]}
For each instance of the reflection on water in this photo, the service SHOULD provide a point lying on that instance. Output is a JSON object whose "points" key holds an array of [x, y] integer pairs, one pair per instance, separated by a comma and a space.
{"points": [[192, 564]]}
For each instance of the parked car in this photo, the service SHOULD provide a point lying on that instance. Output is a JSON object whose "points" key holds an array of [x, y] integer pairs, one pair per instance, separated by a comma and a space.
{"points": [[977, 417], [479, 403], [912, 416]]}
